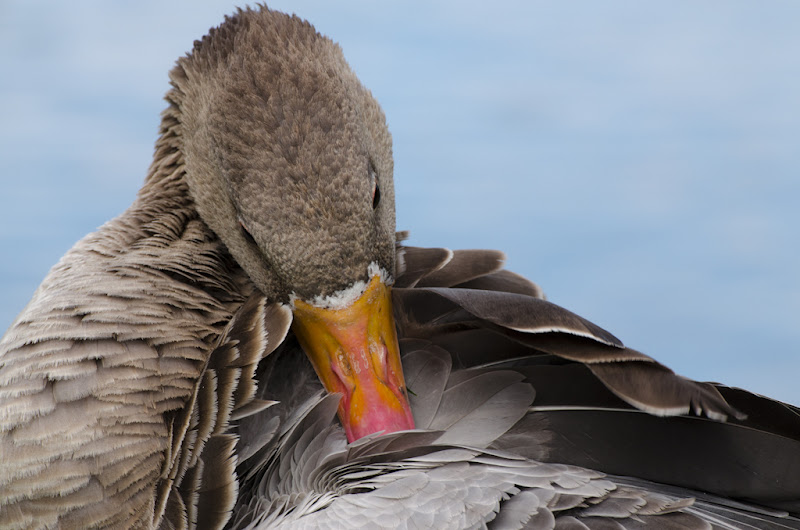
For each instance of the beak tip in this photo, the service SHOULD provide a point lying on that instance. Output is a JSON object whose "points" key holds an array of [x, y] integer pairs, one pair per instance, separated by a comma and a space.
{"points": [[368, 412]]}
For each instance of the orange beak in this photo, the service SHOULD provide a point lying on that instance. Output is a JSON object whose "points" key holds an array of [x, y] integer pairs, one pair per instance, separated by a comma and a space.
{"points": [[355, 353]]}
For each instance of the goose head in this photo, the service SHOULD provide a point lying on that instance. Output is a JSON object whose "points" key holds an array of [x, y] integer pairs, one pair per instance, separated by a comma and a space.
{"points": [[288, 160]]}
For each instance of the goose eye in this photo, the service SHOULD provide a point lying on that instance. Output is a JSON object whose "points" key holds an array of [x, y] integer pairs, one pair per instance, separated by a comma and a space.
{"points": [[376, 192], [246, 233]]}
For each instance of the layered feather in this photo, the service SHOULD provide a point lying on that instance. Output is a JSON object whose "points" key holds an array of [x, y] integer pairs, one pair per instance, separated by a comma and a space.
{"points": [[149, 384], [493, 405], [109, 389], [486, 429]]}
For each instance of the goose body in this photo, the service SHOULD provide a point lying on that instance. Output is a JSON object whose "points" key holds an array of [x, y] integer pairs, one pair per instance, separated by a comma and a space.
{"points": [[157, 379]]}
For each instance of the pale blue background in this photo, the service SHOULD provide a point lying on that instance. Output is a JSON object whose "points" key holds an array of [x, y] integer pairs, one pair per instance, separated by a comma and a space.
{"points": [[638, 159]]}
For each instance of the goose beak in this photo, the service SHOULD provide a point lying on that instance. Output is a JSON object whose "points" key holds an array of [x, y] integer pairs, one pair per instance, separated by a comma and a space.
{"points": [[355, 353]]}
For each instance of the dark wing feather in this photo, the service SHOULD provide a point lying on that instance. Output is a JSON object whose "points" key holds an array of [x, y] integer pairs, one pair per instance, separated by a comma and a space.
{"points": [[501, 383], [764, 413], [442, 315], [468, 269], [589, 387], [465, 265], [444, 479], [511, 311], [413, 263], [504, 281], [654, 388]]}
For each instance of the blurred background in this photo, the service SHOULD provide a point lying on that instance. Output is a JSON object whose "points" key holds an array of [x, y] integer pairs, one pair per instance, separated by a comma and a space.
{"points": [[639, 160]]}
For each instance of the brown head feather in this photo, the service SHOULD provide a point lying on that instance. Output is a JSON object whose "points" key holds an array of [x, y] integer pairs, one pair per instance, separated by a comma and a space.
{"points": [[279, 140]]}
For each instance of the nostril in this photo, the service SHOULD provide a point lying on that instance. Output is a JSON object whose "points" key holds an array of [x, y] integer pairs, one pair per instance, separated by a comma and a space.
{"points": [[340, 366], [385, 360], [380, 355]]}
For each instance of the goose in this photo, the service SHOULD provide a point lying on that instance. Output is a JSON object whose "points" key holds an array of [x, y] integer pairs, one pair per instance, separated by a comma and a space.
{"points": [[252, 344]]}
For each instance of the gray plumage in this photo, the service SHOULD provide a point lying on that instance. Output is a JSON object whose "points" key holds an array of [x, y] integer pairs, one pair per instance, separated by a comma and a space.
{"points": [[153, 380], [477, 457]]}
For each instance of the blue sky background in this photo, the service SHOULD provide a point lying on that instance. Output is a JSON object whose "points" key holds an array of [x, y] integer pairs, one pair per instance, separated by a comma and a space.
{"points": [[637, 159]]}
